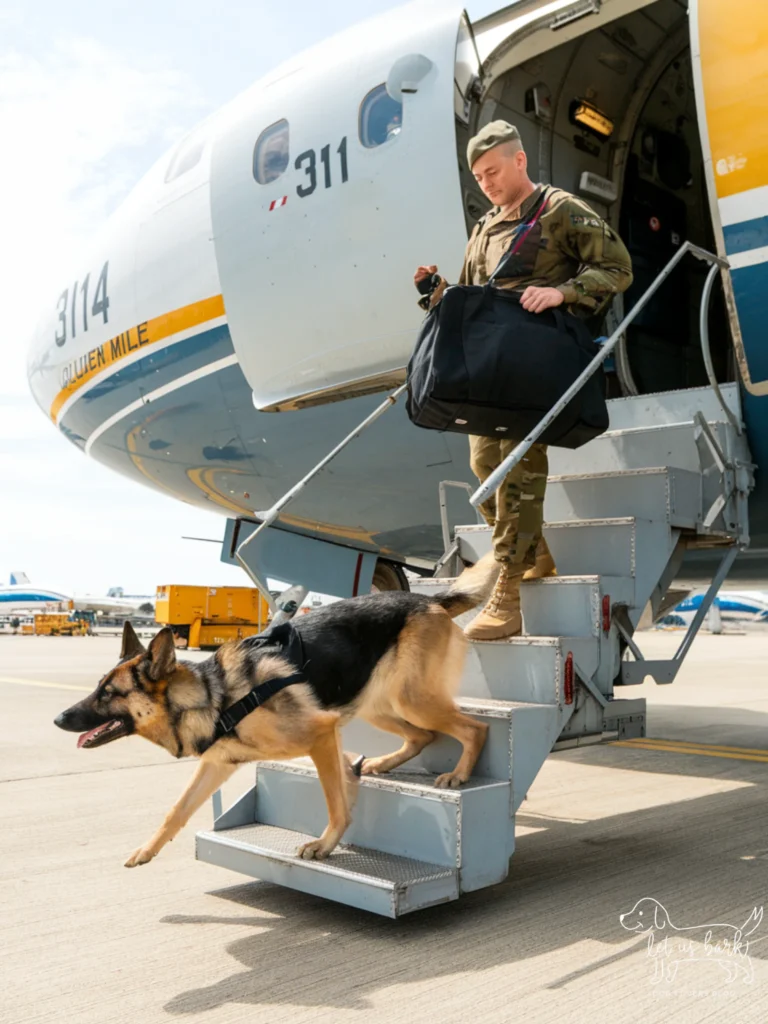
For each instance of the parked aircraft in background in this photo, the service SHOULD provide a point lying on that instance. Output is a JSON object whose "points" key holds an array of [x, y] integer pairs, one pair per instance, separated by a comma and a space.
{"points": [[115, 603], [20, 597], [733, 606]]}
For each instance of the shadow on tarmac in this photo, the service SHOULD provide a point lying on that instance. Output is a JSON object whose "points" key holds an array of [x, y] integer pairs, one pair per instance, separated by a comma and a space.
{"points": [[568, 882]]}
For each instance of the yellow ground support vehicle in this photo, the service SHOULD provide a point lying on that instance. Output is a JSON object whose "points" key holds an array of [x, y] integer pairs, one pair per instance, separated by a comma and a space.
{"points": [[206, 617], [60, 624]]}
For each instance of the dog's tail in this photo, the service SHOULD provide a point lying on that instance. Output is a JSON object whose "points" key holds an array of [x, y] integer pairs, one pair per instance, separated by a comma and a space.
{"points": [[472, 588], [753, 921]]}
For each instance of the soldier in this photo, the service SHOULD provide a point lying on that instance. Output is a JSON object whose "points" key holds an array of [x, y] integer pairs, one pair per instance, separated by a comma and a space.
{"points": [[570, 258]]}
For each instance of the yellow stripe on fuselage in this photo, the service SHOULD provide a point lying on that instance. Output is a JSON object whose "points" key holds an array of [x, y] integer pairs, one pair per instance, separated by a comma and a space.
{"points": [[83, 369], [733, 38]]}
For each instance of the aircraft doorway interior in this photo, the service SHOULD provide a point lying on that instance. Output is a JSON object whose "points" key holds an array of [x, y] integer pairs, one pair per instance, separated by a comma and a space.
{"points": [[611, 117]]}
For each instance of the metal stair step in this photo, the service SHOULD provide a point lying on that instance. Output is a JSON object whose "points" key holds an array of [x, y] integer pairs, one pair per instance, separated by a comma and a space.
{"points": [[529, 730], [572, 605], [606, 547], [379, 882], [528, 669], [627, 547], [672, 407], [637, 447], [615, 509], [658, 494], [557, 605], [450, 827], [473, 541], [517, 731]]}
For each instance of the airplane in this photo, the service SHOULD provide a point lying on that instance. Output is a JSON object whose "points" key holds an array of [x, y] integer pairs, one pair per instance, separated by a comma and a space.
{"points": [[115, 602], [251, 301], [733, 606], [21, 597]]}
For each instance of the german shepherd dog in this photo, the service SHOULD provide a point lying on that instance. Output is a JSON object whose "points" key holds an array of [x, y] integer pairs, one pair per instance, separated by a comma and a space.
{"points": [[394, 659]]}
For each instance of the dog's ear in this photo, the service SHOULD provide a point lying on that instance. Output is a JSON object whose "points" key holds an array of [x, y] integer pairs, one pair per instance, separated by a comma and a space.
{"points": [[131, 644], [161, 655], [660, 918]]}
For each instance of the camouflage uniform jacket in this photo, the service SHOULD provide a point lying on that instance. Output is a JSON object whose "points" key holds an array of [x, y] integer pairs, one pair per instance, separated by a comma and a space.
{"points": [[570, 248]]}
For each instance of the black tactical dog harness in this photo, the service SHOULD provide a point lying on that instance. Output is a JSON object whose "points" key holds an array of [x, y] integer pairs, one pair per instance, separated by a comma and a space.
{"points": [[282, 640]]}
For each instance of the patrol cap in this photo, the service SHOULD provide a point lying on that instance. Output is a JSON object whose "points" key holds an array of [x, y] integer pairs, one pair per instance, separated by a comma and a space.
{"points": [[493, 134]]}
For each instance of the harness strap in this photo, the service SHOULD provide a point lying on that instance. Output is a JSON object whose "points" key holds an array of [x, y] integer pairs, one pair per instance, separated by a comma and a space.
{"points": [[235, 713]]}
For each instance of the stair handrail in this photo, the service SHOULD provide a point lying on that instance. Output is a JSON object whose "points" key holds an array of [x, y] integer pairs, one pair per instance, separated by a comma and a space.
{"points": [[706, 352], [444, 524], [492, 483], [270, 515]]}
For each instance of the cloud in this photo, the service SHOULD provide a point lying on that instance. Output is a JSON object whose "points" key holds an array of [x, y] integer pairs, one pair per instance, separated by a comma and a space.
{"points": [[81, 123]]}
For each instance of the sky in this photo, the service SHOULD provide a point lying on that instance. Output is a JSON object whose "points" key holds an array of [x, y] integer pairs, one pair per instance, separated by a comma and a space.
{"points": [[91, 94]]}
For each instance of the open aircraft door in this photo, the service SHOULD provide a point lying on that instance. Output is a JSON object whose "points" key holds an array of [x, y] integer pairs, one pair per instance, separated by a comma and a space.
{"points": [[520, 31], [729, 46], [361, 185]]}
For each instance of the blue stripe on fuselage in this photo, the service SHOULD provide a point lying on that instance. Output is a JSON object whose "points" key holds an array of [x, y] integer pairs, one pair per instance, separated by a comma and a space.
{"points": [[750, 287], [749, 234], [132, 382]]}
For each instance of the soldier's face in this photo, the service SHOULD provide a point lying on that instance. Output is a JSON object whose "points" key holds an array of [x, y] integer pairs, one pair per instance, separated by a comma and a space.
{"points": [[501, 173]]}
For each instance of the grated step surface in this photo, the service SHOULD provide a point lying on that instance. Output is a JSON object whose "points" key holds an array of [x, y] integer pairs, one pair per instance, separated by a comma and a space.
{"points": [[383, 883]]}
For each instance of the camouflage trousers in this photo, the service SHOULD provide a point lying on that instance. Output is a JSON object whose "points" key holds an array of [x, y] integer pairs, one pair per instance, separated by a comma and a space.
{"points": [[516, 511]]}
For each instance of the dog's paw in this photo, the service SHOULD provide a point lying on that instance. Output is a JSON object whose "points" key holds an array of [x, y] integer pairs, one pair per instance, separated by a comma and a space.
{"points": [[316, 850], [141, 856], [374, 766], [450, 780]]}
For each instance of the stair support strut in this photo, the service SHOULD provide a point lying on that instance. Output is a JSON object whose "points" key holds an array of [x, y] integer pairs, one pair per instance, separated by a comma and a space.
{"points": [[634, 672]]}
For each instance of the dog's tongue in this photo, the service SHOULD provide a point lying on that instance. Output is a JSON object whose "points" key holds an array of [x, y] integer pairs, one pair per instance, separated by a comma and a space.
{"points": [[92, 733]]}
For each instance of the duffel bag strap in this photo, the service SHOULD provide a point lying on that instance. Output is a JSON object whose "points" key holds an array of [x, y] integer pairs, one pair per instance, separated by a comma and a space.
{"points": [[522, 232]]}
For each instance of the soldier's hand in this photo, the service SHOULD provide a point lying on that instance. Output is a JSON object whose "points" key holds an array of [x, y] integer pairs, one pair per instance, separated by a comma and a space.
{"points": [[423, 272], [536, 300]]}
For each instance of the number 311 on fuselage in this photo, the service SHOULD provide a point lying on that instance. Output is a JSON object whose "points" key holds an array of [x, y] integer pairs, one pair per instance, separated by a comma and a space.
{"points": [[252, 298]]}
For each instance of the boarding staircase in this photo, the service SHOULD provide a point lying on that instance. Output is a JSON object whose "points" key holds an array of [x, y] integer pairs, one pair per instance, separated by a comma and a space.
{"points": [[670, 475]]}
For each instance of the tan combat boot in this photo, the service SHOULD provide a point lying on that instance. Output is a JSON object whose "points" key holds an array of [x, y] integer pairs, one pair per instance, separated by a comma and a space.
{"points": [[501, 617], [545, 563]]}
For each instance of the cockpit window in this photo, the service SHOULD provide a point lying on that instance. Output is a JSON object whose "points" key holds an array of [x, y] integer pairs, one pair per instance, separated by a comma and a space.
{"points": [[187, 155], [270, 154], [381, 118]]}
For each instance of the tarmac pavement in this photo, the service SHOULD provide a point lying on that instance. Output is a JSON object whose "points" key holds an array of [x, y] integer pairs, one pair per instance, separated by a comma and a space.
{"points": [[680, 819]]}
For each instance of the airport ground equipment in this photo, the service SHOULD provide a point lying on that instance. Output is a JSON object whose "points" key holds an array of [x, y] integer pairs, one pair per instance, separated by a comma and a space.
{"points": [[207, 617], [61, 624], [671, 474]]}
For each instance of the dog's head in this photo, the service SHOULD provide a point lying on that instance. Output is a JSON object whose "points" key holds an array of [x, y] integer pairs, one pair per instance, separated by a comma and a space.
{"points": [[129, 699], [647, 913]]}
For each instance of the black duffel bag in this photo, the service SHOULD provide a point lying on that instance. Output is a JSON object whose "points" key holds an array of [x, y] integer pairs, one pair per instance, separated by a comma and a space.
{"points": [[484, 365]]}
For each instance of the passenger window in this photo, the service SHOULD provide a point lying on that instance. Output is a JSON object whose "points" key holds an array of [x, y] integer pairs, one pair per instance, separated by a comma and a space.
{"points": [[186, 156], [381, 118], [270, 154]]}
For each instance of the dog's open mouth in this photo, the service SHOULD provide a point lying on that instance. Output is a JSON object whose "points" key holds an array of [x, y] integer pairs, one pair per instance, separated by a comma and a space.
{"points": [[103, 734]]}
